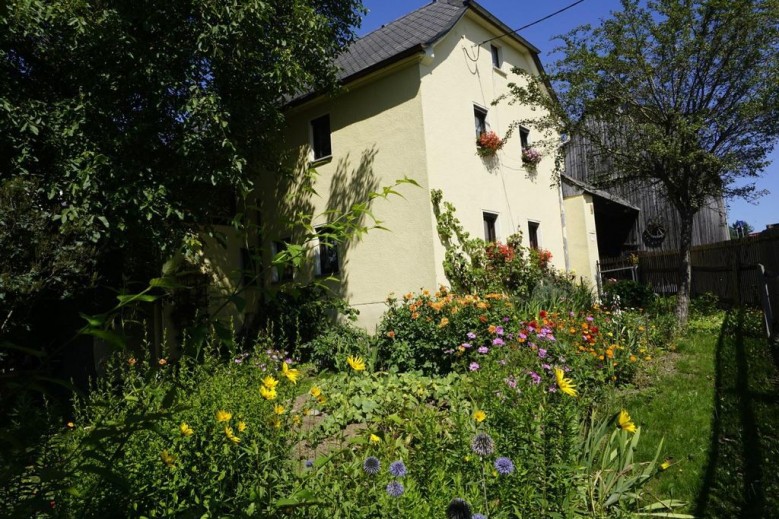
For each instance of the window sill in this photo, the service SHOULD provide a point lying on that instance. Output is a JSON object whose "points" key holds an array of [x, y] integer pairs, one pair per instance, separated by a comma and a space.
{"points": [[499, 71], [320, 161]]}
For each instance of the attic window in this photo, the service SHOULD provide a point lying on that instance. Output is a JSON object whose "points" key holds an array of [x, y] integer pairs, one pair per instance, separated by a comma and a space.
{"points": [[320, 137], [480, 120], [495, 51], [524, 137]]}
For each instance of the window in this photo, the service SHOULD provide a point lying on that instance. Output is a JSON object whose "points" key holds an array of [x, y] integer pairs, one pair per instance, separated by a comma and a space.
{"points": [[532, 234], [490, 233], [480, 120], [524, 137], [248, 268], [495, 56], [327, 262], [281, 273], [320, 137]]}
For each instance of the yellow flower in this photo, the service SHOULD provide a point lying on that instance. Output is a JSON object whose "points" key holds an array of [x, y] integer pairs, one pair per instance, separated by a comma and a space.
{"points": [[479, 416], [223, 416], [375, 439], [71, 425], [276, 423], [291, 374], [444, 322], [270, 382], [185, 429], [315, 392], [162, 362], [321, 399], [167, 458], [356, 363], [279, 409], [241, 426], [665, 464], [268, 394], [231, 436], [625, 423], [565, 384], [296, 420]]}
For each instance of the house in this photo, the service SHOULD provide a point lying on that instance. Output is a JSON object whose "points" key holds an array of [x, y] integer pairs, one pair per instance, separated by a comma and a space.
{"points": [[418, 92]]}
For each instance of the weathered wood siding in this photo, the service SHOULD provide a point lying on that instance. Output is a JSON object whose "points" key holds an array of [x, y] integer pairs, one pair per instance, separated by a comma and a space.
{"points": [[709, 226]]}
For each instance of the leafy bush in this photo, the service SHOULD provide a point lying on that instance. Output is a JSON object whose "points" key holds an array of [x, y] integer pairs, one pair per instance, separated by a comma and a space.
{"points": [[705, 304], [328, 349], [627, 294]]}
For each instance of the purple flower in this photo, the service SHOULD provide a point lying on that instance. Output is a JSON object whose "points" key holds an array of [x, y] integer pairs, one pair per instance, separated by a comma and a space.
{"points": [[499, 330], [309, 464], [590, 318], [397, 469], [483, 349], [506, 319], [546, 366], [458, 509], [535, 376], [497, 341], [395, 489], [471, 335], [522, 335], [474, 366], [482, 444], [372, 465], [552, 389], [504, 466], [466, 345], [479, 516], [511, 382], [541, 353]]}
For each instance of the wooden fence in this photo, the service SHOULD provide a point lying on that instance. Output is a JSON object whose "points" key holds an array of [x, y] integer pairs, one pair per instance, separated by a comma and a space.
{"points": [[737, 271]]}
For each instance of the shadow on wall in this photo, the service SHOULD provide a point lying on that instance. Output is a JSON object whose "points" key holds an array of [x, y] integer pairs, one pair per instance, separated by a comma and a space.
{"points": [[344, 201]]}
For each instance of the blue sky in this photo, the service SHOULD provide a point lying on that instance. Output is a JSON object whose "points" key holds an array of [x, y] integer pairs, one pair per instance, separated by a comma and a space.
{"points": [[516, 13]]}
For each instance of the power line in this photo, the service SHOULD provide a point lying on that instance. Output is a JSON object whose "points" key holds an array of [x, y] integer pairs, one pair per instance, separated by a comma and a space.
{"points": [[533, 23]]}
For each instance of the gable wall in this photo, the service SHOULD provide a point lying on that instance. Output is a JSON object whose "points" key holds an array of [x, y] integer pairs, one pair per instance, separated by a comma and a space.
{"points": [[460, 76]]}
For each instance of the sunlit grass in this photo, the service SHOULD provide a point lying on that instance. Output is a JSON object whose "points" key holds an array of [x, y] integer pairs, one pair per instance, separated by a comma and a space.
{"points": [[716, 403]]}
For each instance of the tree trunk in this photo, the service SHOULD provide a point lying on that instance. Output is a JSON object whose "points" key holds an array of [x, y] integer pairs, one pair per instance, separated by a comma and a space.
{"points": [[685, 270]]}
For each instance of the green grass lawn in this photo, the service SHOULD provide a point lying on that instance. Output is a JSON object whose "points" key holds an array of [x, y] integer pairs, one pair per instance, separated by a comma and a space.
{"points": [[715, 400]]}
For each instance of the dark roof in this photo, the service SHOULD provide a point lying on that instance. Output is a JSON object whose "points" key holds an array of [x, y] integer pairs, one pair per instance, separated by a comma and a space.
{"points": [[572, 186], [410, 33]]}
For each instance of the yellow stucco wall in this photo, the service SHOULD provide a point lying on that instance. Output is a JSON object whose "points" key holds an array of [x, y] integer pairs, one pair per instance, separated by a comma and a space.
{"points": [[377, 137], [459, 76], [582, 237], [416, 120]]}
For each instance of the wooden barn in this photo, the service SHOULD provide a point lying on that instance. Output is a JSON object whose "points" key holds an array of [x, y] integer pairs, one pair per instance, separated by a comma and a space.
{"points": [[634, 216]]}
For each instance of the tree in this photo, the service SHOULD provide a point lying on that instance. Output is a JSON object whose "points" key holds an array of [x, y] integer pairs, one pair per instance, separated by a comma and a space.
{"points": [[678, 93], [740, 229], [125, 125]]}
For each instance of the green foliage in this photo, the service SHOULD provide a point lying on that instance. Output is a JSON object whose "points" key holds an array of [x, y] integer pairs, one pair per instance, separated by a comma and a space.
{"points": [[706, 304], [693, 83], [627, 294], [129, 449], [185, 109], [328, 348]]}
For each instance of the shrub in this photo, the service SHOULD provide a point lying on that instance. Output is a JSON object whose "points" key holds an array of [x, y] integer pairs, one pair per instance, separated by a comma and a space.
{"points": [[328, 349], [627, 294]]}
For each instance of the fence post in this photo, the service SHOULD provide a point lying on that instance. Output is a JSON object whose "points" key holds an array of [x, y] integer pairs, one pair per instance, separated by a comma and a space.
{"points": [[768, 315]]}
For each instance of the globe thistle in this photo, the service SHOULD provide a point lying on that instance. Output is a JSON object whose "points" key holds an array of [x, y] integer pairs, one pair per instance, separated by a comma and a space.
{"points": [[504, 466], [482, 444], [397, 469], [309, 464], [479, 516], [458, 509], [372, 465], [395, 489]]}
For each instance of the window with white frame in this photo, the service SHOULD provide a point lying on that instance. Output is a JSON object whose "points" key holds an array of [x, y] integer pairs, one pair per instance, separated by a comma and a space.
{"points": [[532, 234], [285, 272], [490, 226], [496, 58], [524, 137], [479, 120], [320, 137], [327, 261]]}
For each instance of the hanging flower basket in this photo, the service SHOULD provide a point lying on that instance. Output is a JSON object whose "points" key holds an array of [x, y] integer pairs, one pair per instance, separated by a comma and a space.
{"points": [[488, 144], [531, 156]]}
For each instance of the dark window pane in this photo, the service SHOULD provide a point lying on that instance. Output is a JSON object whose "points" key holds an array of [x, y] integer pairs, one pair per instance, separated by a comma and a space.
{"points": [[489, 226], [328, 253], [533, 234], [479, 120], [524, 137], [495, 56], [320, 136]]}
